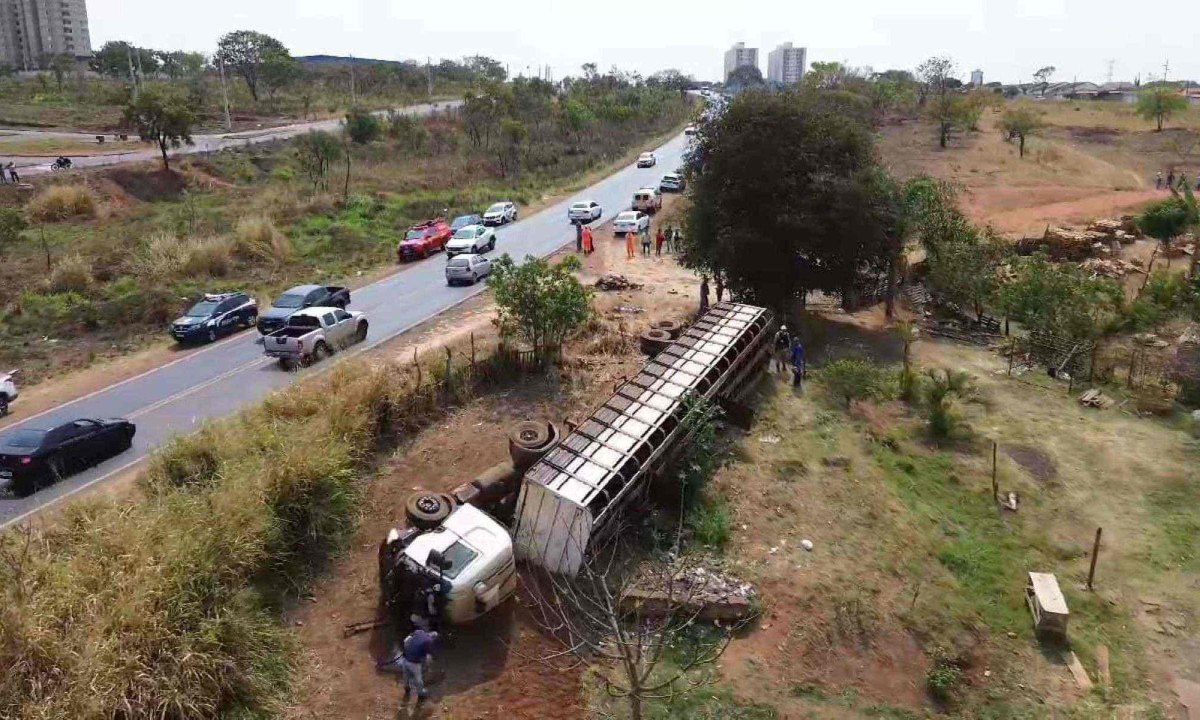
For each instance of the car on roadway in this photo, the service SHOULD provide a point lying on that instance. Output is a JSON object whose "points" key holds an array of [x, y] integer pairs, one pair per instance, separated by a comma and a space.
{"points": [[646, 160], [215, 315], [473, 239], [467, 269], [648, 200], [672, 182], [500, 213], [631, 221], [585, 211], [424, 239], [32, 458], [8, 390], [315, 333], [690, 130], [462, 221], [298, 298]]}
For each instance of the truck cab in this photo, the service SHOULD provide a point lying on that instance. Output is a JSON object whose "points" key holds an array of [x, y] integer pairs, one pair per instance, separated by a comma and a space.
{"points": [[470, 554]]}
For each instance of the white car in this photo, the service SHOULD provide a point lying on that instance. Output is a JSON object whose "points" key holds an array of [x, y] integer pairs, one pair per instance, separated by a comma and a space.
{"points": [[585, 212], [689, 130], [469, 269], [500, 213], [8, 391], [631, 221], [646, 160], [474, 239]]}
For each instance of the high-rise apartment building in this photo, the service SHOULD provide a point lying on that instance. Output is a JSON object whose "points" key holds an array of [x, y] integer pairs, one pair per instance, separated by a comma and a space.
{"points": [[786, 64], [739, 55], [976, 78], [31, 30]]}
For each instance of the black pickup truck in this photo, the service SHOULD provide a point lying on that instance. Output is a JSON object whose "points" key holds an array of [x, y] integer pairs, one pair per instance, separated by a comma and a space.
{"points": [[298, 298]]}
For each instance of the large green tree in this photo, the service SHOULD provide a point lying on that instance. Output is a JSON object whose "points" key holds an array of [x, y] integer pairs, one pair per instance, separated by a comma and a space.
{"points": [[1167, 219], [1159, 103], [253, 56], [162, 117], [788, 199], [537, 302], [1021, 121]]}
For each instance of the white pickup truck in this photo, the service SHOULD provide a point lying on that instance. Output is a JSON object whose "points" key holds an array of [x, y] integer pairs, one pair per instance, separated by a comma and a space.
{"points": [[313, 334]]}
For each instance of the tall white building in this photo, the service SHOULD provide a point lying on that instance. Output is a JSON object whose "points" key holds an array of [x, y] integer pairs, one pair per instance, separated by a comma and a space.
{"points": [[32, 30], [739, 55], [786, 64], [976, 78]]}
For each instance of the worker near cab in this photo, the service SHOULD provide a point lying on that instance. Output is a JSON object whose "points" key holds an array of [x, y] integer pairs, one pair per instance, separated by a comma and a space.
{"points": [[413, 660], [797, 362], [783, 348], [629, 248]]}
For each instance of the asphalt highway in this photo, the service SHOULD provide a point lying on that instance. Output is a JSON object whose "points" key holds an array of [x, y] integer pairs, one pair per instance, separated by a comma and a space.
{"points": [[216, 380]]}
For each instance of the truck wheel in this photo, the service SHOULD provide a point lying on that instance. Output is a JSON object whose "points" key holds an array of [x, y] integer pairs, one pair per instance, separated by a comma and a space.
{"points": [[319, 353], [286, 364], [426, 510], [361, 335], [529, 441], [671, 327], [3, 405], [654, 341]]}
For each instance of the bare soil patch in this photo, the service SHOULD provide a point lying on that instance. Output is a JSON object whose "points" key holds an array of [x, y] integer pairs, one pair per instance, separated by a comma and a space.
{"points": [[149, 186], [1034, 461]]}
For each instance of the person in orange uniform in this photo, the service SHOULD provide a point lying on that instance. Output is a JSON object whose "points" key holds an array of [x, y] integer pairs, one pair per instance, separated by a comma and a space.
{"points": [[588, 247], [629, 246]]}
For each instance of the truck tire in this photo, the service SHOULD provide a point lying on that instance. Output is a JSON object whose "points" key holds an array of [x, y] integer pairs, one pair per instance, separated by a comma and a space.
{"points": [[287, 364], [361, 335], [671, 327], [426, 510], [529, 441], [654, 341], [319, 353]]}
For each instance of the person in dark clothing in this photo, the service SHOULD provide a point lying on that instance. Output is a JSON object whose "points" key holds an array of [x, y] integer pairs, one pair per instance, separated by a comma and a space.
{"points": [[12, 174], [415, 653], [720, 287], [578, 236], [646, 241], [783, 348], [797, 362], [1170, 179], [659, 239], [1158, 180], [703, 294]]}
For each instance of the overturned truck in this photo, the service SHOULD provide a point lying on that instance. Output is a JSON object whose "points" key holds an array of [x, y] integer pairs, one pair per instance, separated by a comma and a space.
{"points": [[558, 496]]}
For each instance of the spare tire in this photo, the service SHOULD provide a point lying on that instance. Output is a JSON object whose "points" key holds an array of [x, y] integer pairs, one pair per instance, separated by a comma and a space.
{"points": [[426, 509], [671, 327], [529, 441], [654, 341]]}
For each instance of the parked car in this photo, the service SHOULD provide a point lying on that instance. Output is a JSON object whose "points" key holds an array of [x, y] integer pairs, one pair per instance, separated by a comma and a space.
{"points": [[314, 334], [424, 239], [585, 212], [648, 200], [631, 221], [646, 160], [8, 390], [672, 182], [500, 213], [215, 315], [468, 269], [298, 298], [472, 239], [462, 221], [30, 458], [690, 129]]}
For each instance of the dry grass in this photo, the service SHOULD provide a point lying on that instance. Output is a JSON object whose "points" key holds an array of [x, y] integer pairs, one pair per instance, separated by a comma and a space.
{"points": [[1115, 115], [72, 273], [60, 202], [166, 256], [257, 238]]}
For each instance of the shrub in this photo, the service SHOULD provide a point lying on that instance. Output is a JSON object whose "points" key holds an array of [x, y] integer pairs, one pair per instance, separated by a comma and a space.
{"points": [[12, 224], [944, 677], [939, 394], [710, 521], [60, 202], [166, 256], [71, 274], [257, 238], [851, 379], [362, 126]]}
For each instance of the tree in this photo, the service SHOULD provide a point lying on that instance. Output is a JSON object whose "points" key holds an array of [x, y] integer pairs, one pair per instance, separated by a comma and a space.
{"points": [[513, 136], [745, 77], [576, 118], [1058, 298], [362, 127], [1167, 219], [935, 75], [940, 392], [12, 224], [947, 110], [1043, 76], [965, 272], [486, 68], [672, 79], [1159, 103], [60, 65], [161, 116], [787, 199], [1021, 122], [280, 70], [538, 303], [246, 53], [316, 152], [180, 64]]}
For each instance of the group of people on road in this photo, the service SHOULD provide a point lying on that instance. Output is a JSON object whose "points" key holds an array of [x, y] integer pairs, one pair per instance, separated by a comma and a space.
{"points": [[8, 173], [1174, 182]]}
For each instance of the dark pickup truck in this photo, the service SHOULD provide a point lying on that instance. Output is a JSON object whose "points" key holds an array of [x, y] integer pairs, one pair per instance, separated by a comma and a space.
{"points": [[298, 298]]}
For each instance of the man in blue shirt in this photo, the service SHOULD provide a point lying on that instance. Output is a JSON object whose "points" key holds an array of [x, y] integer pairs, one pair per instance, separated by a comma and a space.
{"points": [[415, 653], [797, 362]]}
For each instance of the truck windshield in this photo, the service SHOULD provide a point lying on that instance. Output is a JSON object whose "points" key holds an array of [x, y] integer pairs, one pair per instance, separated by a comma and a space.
{"points": [[458, 556], [290, 301], [415, 235]]}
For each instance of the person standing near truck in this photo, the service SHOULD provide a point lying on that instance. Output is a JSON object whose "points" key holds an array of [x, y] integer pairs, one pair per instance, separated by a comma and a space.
{"points": [[783, 348], [589, 245], [629, 253], [578, 236], [415, 654], [797, 362]]}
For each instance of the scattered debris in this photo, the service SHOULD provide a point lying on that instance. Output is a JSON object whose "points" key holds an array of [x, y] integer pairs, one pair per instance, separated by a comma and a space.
{"points": [[1082, 681], [1110, 267], [770, 439], [1096, 399], [806, 544], [1047, 604], [352, 629], [1150, 340], [628, 309], [613, 281], [1009, 501], [700, 591]]}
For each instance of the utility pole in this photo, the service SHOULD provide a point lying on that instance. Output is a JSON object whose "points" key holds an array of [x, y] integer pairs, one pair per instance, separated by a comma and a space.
{"points": [[225, 96], [429, 75], [132, 77], [1166, 69], [353, 92], [1111, 62]]}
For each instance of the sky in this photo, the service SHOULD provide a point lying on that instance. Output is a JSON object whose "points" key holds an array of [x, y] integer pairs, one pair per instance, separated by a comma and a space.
{"points": [[1007, 39]]}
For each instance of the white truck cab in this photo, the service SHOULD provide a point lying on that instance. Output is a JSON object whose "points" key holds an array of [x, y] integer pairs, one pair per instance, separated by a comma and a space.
{"points": [[477, 565]]}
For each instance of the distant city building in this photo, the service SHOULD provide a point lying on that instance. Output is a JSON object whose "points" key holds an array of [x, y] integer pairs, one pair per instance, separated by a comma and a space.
{"points": [[739, 55], [976, 78], [32, 30], [786, 64]]}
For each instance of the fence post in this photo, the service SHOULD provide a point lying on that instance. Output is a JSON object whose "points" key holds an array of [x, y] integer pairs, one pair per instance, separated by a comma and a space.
{"points": [[1012, 351], [417, 365], [472, 354], [1095, 552], [995, 480]]}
